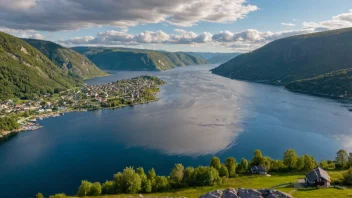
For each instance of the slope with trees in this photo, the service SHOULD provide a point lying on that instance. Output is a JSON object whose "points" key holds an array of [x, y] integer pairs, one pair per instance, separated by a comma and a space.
{"points": [[69, 60], [26, 73], [137, 59], [293, 58]]}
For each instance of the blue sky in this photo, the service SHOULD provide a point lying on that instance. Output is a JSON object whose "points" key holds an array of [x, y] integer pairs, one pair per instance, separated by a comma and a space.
{"points": [[201, 25]]}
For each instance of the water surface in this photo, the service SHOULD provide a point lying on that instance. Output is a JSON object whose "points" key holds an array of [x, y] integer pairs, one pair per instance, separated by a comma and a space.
{"points": [[198, 115]]}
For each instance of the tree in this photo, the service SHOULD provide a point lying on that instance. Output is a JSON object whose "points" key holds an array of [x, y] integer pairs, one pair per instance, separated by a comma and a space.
{"points": [[95, 189], [108, 187], [309, 163], [188, 176], [118, 182], [323, 164], [266, 162], [347, 177], [161, 183], [231, 165], [349, 159], [147, 187], [258, 158], [276, 165], [290, 158], [206, 176], [300, 163], [59, 195], [152, 176], [144, 180], [84, 188], [215, 163], [223, 171], [341, 158], [176, 175], [131, 181], [243, 166], [39, 195]]}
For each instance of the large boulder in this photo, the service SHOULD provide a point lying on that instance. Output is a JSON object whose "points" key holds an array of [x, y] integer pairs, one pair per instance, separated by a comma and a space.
{"points": [[246, 193]]}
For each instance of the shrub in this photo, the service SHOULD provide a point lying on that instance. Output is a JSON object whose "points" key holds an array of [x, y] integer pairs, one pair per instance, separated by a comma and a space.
{"points": [[223, 171], [188, 176], [95, 189], [84, 188], [108, 187], [39, 195], [59, 195], [206, 176], [161, 184]]}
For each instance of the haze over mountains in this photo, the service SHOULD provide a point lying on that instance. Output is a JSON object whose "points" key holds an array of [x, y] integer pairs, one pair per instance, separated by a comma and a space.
{"points": [[296, 58], [215, 58], [137, 59]]}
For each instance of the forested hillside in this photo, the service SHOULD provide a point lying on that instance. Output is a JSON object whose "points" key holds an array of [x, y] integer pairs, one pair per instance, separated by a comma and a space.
{"points": [[26, 73], [137, 59], [72, 62]]}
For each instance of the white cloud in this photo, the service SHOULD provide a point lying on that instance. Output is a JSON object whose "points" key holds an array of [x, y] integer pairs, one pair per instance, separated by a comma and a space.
{"points": [[37, 36], [288, 24], [343, 20], [55, 15]]}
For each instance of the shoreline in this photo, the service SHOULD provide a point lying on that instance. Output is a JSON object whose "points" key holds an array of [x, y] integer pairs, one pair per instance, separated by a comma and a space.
{"points": [[6, 134]]}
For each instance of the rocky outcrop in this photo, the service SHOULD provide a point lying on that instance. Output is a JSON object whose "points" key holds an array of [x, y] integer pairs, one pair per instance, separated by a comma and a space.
{"points": [[246, 193]]}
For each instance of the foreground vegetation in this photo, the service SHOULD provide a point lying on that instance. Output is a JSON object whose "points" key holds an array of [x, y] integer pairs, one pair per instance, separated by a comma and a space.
{"points": [[193, 182]]}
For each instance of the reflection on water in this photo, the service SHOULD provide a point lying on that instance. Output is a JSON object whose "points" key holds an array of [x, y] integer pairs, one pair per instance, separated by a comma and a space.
{"points": [[198, 115]]}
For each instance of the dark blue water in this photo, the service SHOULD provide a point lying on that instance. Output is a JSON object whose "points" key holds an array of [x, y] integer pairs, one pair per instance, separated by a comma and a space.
{"points": [[198, 115]]}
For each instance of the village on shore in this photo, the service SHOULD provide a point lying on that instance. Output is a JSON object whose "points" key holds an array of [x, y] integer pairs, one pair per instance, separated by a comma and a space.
{"points": [[121, 93]]}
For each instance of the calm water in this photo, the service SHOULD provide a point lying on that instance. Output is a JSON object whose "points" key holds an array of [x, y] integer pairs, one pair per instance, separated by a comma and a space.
{"points": [[198, 115]]}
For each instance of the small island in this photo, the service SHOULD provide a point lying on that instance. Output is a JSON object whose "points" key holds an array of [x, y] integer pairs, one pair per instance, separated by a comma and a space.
{"points": [[21, 115]]}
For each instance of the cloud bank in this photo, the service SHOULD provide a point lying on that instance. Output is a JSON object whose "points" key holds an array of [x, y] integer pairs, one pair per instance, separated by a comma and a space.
{"points": [[55, 15]]}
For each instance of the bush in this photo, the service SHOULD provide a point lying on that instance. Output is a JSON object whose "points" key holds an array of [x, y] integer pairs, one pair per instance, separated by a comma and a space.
{"points": [[347, 177], [231, 165], [84, 188], [108, 187], [95, 189], [131, 181], [176, 176], [215, 163], [206, 176], [188, 176], [161, 184], [59, 195], [223, 172], [39, 195]]}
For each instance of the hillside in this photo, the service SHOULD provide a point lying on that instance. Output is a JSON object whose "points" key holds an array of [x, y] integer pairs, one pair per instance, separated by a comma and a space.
{"points": [[72, 62], [137, 59], [215, 58], [25, 72], [293, 58], [337, 84]]}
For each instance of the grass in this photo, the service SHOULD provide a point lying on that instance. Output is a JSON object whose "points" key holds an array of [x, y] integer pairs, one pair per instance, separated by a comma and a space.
{"points": [[279, 181]]}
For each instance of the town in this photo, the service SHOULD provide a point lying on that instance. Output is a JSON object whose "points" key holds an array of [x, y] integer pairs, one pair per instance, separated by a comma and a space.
{"points": [[23, 114]]}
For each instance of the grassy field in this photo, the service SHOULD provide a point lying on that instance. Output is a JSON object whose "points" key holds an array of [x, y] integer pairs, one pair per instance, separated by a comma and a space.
{"points": [[278, 181]]}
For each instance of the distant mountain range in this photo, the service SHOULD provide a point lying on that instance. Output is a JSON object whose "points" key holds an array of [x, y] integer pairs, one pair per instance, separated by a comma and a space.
{"points": [[26, 73], [312, 63], [215, 58], [70, 61], [114, 58]]}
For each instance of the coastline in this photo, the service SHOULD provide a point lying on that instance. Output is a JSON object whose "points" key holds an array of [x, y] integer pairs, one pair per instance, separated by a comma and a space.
{"points": [[5, 134]]}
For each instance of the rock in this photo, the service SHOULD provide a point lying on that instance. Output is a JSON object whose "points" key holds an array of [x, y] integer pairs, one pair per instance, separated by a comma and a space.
{"points": [[214, 194], [246, 193], [249, 193]]}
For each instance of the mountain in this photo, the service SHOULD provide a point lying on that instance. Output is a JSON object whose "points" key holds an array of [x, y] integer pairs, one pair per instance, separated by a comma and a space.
{"points": [[293, 58], [215, 58], [137, 59], [25, 72], [70, 61], [336, 84]]}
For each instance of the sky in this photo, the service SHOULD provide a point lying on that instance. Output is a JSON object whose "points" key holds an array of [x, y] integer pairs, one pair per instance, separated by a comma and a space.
{"points": [[172, 25]]}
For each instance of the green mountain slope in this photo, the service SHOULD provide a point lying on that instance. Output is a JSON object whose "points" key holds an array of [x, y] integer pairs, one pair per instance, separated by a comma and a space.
{"points": [[293, 58], [70, 61], [337, 84], [137, 59], [26, 73]]}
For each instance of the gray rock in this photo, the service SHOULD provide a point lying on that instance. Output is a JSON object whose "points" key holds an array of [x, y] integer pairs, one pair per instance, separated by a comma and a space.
{"points": [[229, 193], [214, 194], [248, 193]]}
